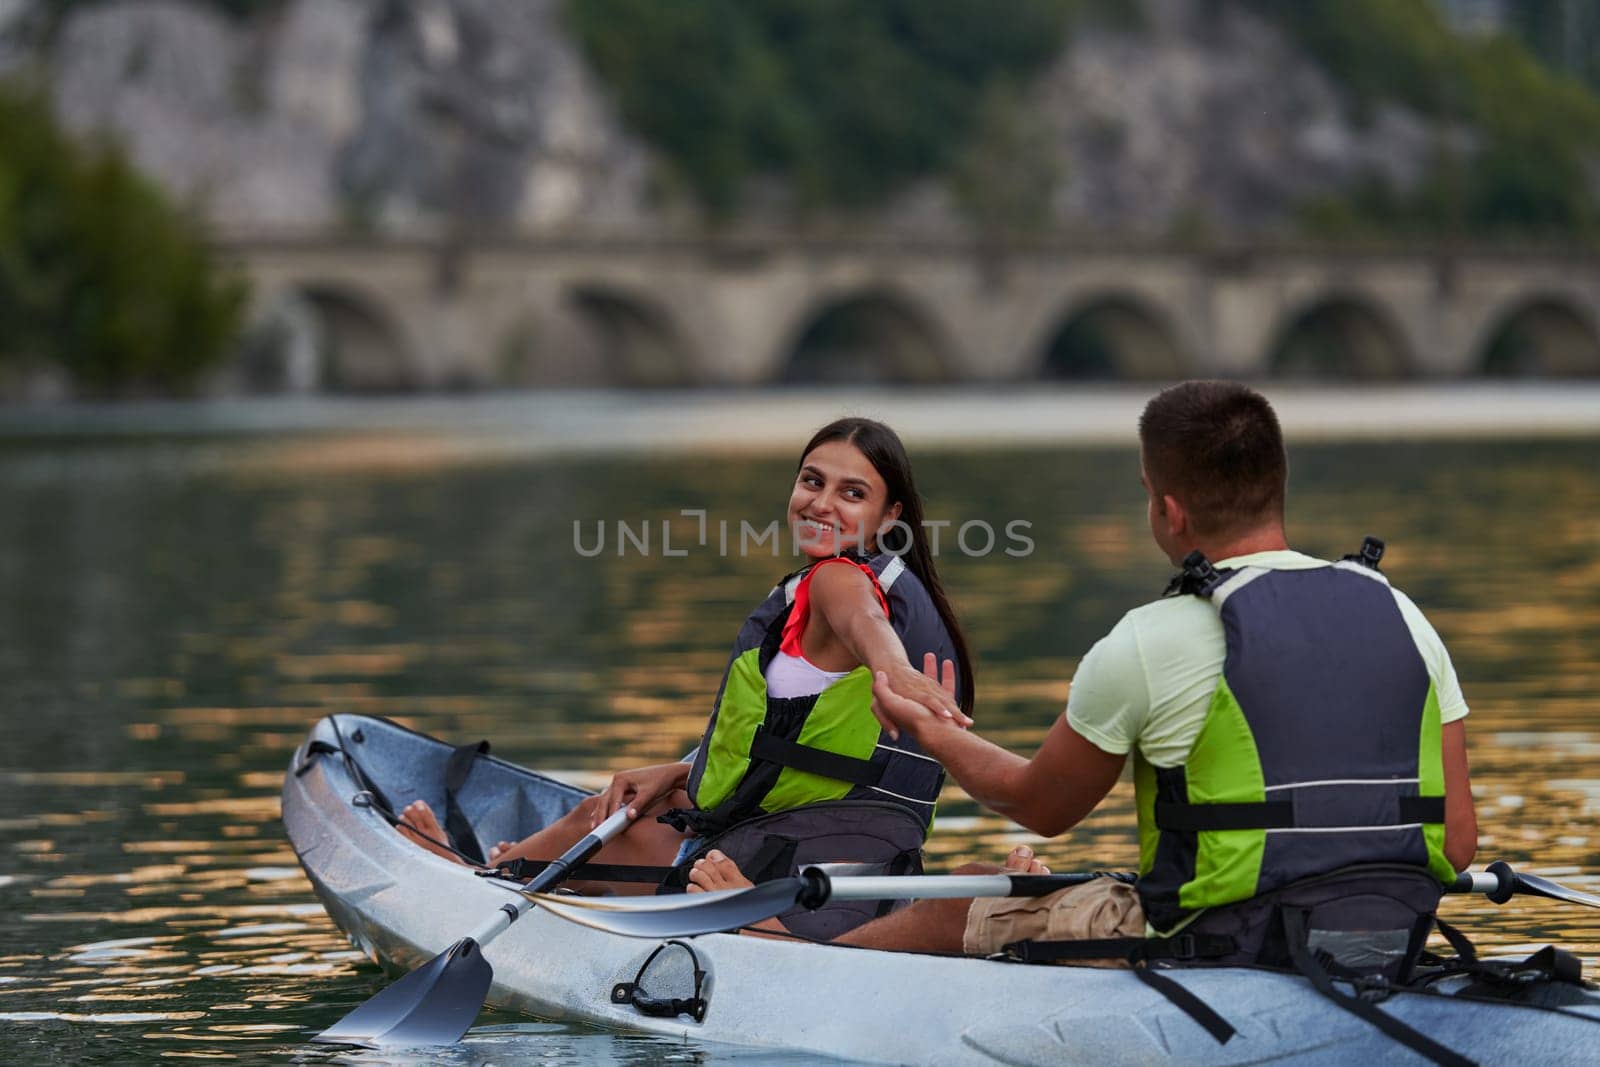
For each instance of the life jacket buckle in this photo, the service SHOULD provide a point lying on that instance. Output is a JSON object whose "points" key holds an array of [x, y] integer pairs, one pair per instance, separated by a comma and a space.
{"points": [[1197, 576], [1183, 947], [1370, 555]]}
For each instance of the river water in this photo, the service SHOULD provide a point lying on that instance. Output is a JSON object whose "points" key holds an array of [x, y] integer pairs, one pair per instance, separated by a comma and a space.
{"points": [[176, 611]]}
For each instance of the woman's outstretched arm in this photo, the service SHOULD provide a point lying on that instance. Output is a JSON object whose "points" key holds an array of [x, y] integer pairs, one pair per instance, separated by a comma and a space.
{"points": [[845, 608]]}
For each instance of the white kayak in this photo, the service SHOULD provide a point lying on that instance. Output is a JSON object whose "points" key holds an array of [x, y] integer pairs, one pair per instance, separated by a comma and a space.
{"points": [[402, 906]]}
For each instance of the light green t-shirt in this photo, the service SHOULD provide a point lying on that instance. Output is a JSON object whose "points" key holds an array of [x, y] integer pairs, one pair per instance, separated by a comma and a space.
{"points": [[1150, 680]]}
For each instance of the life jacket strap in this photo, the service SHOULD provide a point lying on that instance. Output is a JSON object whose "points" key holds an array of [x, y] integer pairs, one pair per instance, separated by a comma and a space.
{"points": [[769, 746], [1183, 817]]}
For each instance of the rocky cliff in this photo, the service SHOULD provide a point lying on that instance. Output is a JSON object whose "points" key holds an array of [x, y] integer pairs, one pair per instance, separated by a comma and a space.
{"points": [[409, 115], [372, 112]]}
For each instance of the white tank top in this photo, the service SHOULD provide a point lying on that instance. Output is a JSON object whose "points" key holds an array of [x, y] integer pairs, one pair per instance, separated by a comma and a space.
{"points": [[796, 676]]}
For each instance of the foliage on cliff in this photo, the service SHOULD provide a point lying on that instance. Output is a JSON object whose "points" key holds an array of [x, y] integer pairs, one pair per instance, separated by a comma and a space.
{"points": [[846, 99], [99, 274], [57, 11], [1538, 132], [1563, 33]]}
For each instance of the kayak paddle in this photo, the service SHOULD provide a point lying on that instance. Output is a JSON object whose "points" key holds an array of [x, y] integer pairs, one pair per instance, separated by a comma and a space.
{"points": [[1500, 883], [704, 913], [437, 1002], [729, 909]]}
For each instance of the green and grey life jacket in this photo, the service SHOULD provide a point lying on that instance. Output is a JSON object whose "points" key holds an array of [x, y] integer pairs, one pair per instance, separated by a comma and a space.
{"points": [[1321, 749], [763, 754]]}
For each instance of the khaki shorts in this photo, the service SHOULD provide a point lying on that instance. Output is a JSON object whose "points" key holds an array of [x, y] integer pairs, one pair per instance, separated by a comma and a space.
{"points": [[1104, 907]]}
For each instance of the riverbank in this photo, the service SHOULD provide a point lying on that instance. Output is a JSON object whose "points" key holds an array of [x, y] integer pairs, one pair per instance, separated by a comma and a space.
{"points": [[614, 421]]}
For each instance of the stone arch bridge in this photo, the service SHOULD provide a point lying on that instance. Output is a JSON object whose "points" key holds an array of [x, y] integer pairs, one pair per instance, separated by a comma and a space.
{"points": [[342, 313]]}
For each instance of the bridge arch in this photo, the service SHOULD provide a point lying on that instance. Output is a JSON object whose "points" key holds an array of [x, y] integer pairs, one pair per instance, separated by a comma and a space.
{"points": [[1540, 336], [868, 336], [1344, 336], [328, 336], [632, 337], [1112, 336]]}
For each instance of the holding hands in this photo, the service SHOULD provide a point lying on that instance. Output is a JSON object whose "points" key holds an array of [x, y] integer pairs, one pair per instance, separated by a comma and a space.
{"points": [[903, 699]]}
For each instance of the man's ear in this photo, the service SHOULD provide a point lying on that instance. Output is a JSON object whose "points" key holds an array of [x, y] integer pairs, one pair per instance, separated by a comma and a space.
{"points": [[1176, 514]]}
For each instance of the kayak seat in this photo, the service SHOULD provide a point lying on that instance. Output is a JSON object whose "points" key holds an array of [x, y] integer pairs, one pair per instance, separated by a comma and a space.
{"points": [[490, 801]]}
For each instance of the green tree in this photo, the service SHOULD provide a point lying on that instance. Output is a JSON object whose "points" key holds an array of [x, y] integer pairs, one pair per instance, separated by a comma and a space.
{"points": [[1564, 33], [98, 272], [1539, 131], [1005, 175], [845, 99]]}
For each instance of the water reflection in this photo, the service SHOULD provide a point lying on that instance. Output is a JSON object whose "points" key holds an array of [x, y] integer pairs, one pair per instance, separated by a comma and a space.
{"points": [[173, 616]]}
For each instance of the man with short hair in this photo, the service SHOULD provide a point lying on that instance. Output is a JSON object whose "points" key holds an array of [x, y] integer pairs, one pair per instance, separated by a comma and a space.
{"points": [[1289, 717]]}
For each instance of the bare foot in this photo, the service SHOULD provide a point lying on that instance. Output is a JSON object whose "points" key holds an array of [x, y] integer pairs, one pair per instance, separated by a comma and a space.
{"points": [[715, 871], [1022, 861], [419, 826]]}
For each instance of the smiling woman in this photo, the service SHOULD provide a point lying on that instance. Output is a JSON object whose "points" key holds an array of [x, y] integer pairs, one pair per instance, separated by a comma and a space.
{"points": [[793, 751]]}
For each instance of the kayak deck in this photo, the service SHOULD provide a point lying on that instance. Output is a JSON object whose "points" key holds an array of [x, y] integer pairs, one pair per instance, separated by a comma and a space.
{"points": [[402, 905]]}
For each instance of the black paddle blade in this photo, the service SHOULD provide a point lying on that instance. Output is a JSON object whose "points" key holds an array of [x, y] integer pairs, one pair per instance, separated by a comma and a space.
{"points": [[1543, 887], [679, 915], [433, 1005]]}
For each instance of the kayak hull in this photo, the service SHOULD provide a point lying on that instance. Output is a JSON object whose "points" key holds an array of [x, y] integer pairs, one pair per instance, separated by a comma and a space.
{"points": [[402, 906]]}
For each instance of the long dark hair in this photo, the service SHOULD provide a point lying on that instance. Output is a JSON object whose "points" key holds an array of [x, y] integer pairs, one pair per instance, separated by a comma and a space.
{"points": [[887, 454]]}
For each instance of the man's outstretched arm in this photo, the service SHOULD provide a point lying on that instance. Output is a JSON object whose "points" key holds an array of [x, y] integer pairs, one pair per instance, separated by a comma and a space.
{"points": [[1048, 794]]}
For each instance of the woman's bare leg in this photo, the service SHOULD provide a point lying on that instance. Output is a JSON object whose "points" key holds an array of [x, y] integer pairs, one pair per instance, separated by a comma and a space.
{"points": [[419, 826], [645, 842]]}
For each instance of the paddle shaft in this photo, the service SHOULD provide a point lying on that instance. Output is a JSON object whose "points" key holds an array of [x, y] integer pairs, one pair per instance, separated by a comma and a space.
{"points": [[1498, 882], [559, 868], [728, 909], [1476, 882], [944, 886]]}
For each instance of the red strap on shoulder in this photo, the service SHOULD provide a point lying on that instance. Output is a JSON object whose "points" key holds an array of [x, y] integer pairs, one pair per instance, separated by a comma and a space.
{"points": [[796, 624]]}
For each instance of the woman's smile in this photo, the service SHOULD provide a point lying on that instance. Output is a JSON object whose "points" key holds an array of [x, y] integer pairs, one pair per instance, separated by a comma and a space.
{"points": [[839, 501]]}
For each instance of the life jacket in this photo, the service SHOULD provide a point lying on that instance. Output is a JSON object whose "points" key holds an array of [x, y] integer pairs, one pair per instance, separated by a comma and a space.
{"points": [[762, 754], [1321, 749]]}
